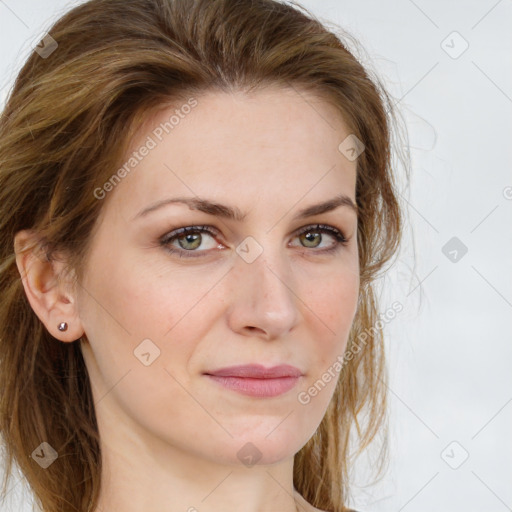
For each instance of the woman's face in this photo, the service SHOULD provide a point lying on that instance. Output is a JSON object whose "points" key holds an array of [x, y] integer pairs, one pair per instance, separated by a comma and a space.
{"points": [[159, 315]]}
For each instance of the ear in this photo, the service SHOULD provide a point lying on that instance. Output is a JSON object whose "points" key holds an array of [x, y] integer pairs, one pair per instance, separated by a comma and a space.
{"points": [[50, 294]]}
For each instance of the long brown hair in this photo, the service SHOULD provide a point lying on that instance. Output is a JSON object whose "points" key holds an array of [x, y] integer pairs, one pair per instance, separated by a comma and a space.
{"points": [[67, 125]]}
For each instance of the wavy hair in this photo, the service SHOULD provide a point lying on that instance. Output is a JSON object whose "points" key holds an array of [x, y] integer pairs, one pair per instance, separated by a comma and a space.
{"points": [[68, 123]]}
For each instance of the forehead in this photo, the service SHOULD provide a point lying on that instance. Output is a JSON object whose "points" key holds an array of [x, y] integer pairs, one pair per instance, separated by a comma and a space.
{"points": [[270, 142]]}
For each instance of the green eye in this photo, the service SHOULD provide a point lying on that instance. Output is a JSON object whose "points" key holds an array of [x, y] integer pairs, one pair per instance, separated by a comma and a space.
{"points": [[190, 238]]}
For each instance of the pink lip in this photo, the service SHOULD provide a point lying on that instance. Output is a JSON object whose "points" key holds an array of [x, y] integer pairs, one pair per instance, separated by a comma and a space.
{"points": [[256, 380]]}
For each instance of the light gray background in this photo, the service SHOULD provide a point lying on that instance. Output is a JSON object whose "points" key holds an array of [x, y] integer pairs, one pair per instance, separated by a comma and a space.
{"points": [[450, 349]]}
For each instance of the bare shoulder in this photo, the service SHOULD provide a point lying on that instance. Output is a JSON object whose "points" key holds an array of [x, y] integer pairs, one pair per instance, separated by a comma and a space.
{"points": [[305, 506]]}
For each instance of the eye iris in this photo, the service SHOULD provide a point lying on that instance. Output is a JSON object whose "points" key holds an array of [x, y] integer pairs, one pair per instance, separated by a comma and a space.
{"points": [[190, 238], [309, 234]]}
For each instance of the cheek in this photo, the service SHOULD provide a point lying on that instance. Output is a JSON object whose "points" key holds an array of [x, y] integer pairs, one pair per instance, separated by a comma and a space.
{"points": [[334, 300], [143, 330], [132, 299], [333, 305]]}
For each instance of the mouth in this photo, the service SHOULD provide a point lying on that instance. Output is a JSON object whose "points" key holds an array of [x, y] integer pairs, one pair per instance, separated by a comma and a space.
{"points": [[257, 380], [262, 388]]}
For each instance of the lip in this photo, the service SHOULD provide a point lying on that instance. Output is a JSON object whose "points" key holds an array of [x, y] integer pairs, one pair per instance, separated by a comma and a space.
{"points": [[256, 380], [257, 371]]}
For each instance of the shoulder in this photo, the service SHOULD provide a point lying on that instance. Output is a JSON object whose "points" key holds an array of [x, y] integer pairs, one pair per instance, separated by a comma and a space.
{"points": [[305, 506]]}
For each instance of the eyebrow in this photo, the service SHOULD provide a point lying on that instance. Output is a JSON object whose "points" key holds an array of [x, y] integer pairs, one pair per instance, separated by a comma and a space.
{"points": [[233, 213]]}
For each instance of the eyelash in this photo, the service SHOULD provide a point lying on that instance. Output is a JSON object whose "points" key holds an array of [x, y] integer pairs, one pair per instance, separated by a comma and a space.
{"points": [[178, 233]]}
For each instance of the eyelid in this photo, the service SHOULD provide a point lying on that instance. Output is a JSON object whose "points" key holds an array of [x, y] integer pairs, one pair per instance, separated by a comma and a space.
{"points": [[334, 231], [212, 230], [174, 233], [337, 233]]}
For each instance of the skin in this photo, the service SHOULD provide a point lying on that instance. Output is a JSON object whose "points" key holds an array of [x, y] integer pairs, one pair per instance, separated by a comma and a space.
{"points": [[170, 435]]}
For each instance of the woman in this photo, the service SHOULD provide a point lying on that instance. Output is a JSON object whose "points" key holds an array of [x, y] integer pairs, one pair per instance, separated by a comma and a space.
{"points": [[197, 197]]}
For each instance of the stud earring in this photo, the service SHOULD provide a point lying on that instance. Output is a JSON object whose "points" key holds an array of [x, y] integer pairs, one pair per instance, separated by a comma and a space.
{"points": [[63, 326]]}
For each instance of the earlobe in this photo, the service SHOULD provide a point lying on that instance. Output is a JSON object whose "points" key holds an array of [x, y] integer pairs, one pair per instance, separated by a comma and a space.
{"points": [[51, 298]]}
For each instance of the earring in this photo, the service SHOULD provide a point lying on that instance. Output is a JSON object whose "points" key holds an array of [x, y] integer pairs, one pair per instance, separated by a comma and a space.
{"points": [[63, 326]]}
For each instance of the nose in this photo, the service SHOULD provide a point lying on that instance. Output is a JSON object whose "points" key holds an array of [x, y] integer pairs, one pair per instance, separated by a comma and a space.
{"points": [[263, 296]]}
